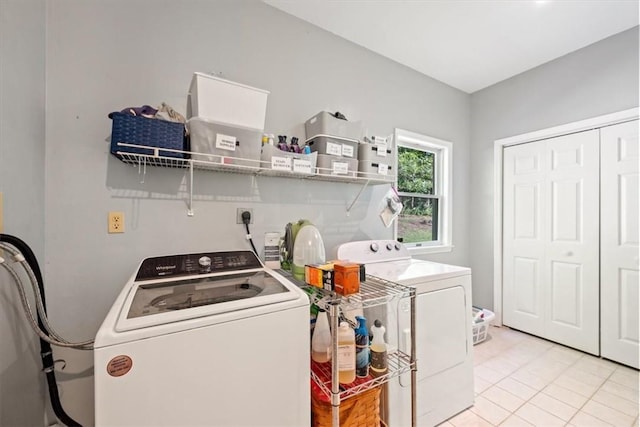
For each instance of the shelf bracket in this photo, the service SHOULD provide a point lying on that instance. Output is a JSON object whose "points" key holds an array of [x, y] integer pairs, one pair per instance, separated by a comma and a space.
{"points": [[357, 196], [190, 205], [142, 168]]}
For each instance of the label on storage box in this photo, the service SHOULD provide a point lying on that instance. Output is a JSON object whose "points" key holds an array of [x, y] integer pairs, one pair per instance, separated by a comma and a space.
{"points": [[382, 169], [281, 163], [225, 142], [347, 150], [381, 147], [301, 165], [334, 149], [340, 168]]}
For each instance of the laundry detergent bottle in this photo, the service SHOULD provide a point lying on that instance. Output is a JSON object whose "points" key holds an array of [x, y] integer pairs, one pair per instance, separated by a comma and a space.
{"points": [[321, 340], [346, 354], [379, 362], [308, 248]]}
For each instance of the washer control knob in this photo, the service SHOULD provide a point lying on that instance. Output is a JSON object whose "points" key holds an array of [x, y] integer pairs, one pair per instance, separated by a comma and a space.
{"points": [[398, 246], [205, 264], [389, 246], [373, 247]]}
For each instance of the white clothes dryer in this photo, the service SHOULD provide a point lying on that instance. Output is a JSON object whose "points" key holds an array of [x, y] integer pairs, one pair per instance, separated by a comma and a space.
{"points": [[444, 341], [204, 339]]}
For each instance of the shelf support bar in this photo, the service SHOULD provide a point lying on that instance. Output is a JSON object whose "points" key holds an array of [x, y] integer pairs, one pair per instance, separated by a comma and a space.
{"points": [[414, 368], [357, 196], [335, 384], [190, 207]]}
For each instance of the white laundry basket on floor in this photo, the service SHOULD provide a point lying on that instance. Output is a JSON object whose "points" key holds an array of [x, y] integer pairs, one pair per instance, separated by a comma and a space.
{"points": [[482, 318]]}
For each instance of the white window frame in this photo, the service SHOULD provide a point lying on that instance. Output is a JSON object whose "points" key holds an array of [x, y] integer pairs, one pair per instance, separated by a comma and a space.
{"points": [[443, 151]]}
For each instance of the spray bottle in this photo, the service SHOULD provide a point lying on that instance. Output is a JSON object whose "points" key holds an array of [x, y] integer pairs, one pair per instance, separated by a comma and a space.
{"points": [[362, 348]]}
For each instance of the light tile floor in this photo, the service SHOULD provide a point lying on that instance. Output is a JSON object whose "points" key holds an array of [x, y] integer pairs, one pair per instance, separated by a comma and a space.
{"points": [[522, 380]]}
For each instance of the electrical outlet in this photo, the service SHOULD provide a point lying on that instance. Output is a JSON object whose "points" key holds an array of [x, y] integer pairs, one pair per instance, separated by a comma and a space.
{"points": [[116, 222], [239, 215]]}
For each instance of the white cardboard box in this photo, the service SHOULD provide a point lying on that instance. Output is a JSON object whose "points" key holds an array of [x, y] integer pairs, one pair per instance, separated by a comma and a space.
{"points": [[224, 101]]}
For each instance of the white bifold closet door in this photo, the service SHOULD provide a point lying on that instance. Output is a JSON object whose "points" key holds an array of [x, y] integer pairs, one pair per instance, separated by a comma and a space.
{"points": [[619, 243], [551, 239]]}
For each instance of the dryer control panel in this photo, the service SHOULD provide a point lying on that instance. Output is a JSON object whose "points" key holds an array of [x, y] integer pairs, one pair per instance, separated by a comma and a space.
{"points": [[369, 251], [199, 263]]}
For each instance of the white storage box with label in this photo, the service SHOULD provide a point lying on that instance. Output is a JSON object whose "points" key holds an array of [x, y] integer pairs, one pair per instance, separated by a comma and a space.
{"points": [[224, 144], [278, 160], [334, 146], [377, 159], [224, 101], [324, 123], [376, 170], [377, 149], [335, 165]]}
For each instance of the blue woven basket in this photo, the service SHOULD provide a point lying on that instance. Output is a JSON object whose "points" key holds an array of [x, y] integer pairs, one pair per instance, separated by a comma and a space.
{"points": [[153, 133]]}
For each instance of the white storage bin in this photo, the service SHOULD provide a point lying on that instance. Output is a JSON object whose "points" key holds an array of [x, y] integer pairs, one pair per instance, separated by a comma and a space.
{"points": [[335, 165], [324, 123], [482, 321], [273, 158], [224, 101], [375, 169], [381, 152], [334, 146], [222, 143]]}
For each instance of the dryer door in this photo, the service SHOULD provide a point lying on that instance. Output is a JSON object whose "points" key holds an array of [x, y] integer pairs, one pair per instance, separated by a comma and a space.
{"points": [[441, 332]]}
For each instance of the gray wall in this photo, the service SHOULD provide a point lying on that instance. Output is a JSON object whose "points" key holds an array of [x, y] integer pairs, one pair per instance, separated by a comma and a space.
{"points": [[104, 56], [599, 79], [22, 130]]}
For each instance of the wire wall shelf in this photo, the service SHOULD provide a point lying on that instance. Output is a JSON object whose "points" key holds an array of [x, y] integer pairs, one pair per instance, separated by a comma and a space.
{"points": [[141, 156], [164, 157]]}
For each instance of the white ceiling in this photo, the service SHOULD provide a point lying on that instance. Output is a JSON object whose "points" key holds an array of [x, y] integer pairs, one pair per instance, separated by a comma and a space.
{"points": [[468, 44]]}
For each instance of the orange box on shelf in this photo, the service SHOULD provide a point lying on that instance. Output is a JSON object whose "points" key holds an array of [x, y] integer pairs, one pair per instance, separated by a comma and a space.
{"points": [[319, 275], [346, 278]]}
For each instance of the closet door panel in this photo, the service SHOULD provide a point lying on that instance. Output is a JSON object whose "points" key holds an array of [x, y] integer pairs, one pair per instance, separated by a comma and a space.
{"points": [[572, 241], [550, 246], [620, 186], [523, 237]]}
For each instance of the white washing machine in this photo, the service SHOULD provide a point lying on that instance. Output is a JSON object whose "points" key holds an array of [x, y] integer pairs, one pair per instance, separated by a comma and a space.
{"points": [[209, 339], [444, 341]]}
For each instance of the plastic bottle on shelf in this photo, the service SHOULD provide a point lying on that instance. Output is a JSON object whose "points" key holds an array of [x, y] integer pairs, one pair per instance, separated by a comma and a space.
{"points": [[346, 354], [362, 348], [321, 340], [308, 248], [379, 363]]}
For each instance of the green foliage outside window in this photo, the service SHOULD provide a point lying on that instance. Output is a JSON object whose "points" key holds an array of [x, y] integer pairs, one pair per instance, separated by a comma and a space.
{"points": [[415, 175]]}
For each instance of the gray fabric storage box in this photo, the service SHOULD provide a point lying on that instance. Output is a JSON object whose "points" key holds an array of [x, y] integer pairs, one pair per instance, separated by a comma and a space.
{"points": [[324, 123], [376, 170], [336, 165], [224, 144], [368, 152], [334, 146]]}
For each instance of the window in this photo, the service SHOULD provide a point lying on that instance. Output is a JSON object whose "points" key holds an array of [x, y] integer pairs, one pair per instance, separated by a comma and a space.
{"points": [[424, 186]]}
